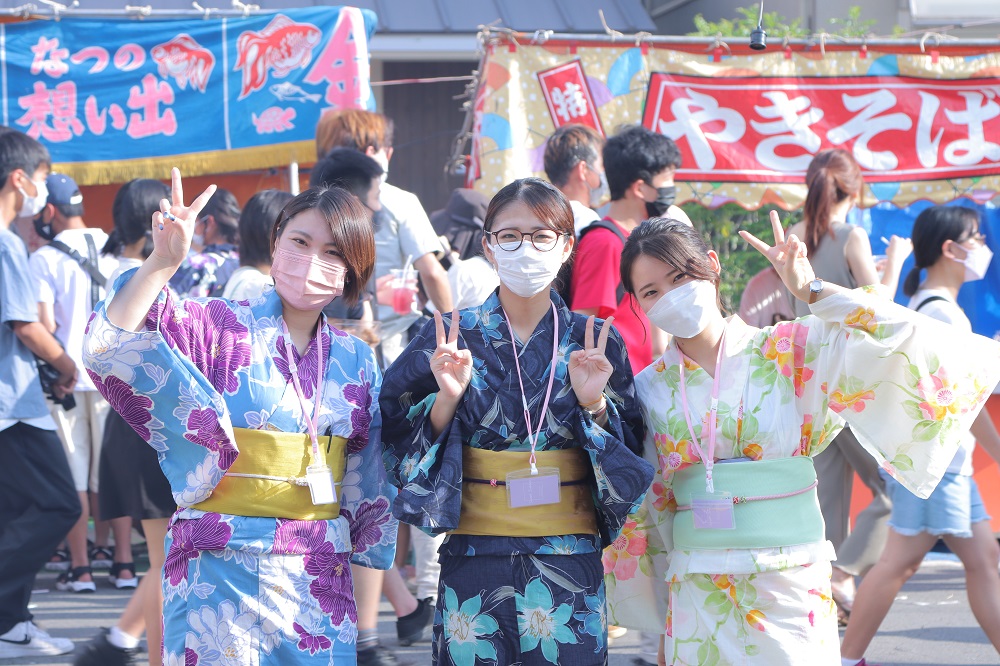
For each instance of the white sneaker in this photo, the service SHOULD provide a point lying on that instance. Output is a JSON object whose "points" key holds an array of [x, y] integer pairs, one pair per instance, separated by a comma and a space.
{"points": [[114, 576], [27, 640], [68, 582]]}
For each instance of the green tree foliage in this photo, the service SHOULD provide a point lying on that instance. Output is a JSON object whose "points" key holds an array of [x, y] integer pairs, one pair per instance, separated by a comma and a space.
{"points": [[852, 26], [776, 25], [720, 228]]}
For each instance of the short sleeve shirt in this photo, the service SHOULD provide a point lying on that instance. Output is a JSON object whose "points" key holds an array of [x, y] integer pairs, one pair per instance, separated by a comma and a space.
{"points": [[20, 393], [405, 232], [595, 284]]}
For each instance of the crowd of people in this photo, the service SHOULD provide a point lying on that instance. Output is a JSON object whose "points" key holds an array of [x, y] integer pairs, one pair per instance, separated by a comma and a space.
{"points": [[528, 426]]}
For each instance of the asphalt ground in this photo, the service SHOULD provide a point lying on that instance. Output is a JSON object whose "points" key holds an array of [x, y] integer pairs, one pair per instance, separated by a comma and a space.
{"points": [[929, 625]]}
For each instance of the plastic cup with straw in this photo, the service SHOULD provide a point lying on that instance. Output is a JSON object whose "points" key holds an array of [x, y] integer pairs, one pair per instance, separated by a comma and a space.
{"points": [[404, 288]]}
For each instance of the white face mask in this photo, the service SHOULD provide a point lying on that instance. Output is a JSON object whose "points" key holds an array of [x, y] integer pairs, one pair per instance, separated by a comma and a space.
{"points": [[33, 205], [687, 310], [601, 192], [976, 262], [527, 271], [383, 161]]}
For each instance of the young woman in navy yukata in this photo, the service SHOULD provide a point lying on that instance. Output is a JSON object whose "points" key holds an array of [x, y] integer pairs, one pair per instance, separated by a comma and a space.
{"points": [[266, 422], [513, 426]]}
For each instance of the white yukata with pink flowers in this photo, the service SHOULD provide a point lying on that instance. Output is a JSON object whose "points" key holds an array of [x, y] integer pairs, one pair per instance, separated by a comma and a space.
{"points": [[908, 385], [237, 589]]}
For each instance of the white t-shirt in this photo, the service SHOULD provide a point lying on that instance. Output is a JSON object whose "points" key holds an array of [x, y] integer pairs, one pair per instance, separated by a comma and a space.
{"points": [[407, 232], [472, 281], [583, 216], [948, 311], [66, 286], [246, 282]]}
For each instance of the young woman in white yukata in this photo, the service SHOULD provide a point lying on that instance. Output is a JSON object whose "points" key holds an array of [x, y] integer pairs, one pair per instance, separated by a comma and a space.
{"points": [[728, 551], [267, 427]]}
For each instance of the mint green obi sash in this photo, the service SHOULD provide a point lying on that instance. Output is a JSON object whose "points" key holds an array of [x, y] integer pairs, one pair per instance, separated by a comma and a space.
{"points": [[775, 504]]}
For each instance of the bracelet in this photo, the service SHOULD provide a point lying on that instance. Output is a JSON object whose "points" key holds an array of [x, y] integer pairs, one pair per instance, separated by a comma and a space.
{"points": [[591, 405]]}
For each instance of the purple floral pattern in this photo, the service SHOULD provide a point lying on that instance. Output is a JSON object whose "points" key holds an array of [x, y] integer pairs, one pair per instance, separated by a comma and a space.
{"points": [[189, 538], [332, 588], [135, 409], [204, 429], [367, 523], [190, 657], [307, 363], [298, 537], [311, 642], [359, 395]]}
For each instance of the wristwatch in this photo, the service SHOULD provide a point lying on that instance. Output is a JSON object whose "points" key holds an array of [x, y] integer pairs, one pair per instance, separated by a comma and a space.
{"points": [[815, 287]]}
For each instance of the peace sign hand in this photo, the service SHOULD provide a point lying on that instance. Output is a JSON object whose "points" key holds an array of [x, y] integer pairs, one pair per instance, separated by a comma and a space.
{"points": [[452, 367], [788, 256], [589, 368], [173, 224]]}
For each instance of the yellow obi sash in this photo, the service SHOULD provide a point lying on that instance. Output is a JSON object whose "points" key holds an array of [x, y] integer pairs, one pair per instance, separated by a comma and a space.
{"points": [[268, 477], [775, 504], [484, 505]]}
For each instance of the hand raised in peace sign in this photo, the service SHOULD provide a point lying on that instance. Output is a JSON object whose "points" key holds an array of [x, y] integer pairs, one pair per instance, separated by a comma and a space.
{"points": [[589, 368], [452, 367], [788, 256], [173, 224]]}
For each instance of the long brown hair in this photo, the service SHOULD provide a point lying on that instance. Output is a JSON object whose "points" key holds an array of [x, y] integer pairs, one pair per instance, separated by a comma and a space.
{"points": [[352, 232], [832, 176]]}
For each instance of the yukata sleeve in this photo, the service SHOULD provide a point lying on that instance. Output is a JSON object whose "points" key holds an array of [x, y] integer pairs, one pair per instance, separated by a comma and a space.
{"points": [[168, 382], [366, 500], [622, 477], [426, 469], [635, 564], [908, 385]]}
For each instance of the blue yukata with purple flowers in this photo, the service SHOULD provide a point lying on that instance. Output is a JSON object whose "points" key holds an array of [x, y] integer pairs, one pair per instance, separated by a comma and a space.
{"points": [[502, 599], [238, 589], [205, 273]]}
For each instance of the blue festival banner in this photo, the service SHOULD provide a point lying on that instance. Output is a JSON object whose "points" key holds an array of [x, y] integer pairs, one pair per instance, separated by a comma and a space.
{"points": [[119, 99]]}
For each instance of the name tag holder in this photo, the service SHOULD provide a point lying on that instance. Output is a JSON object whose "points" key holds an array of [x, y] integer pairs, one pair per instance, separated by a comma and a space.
{"points": [[713, 511], [533, 487]]}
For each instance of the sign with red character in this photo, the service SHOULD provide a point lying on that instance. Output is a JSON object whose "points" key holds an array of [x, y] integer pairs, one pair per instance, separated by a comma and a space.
{"points": [[768, 129], [568, 96], [205, 95]]}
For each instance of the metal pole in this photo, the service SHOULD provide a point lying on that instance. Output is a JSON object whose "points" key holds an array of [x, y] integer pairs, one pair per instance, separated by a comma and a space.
{"points": [[293, 177]]}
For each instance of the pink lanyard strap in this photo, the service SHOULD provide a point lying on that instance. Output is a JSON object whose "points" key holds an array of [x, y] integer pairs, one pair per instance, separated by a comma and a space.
{"points": [[533, 438], [312, 424], [713, 415]]}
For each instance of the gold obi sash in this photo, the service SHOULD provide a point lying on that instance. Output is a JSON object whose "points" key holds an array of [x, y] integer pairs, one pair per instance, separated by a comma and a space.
{"points": [[281, 457], [484, 505]]}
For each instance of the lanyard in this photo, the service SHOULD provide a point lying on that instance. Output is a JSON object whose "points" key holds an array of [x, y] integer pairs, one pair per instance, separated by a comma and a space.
{"points": [[533, 437], [713, 415], [312, 424]]}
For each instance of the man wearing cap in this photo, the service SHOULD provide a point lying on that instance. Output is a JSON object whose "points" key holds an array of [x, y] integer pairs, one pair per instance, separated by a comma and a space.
{"points": [[70, 273]]}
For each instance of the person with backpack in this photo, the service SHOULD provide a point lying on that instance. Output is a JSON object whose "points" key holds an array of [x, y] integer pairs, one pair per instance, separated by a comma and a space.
{"points": [[948, 244], [71, 276], [640, 166]]}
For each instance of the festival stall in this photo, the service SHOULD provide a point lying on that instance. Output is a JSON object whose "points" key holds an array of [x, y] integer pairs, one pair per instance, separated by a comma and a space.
{"points": [[921, 116], [229, 91]]}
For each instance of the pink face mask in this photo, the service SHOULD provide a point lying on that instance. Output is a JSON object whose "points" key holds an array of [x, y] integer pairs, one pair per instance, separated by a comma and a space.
{"points": [[305, 281]]}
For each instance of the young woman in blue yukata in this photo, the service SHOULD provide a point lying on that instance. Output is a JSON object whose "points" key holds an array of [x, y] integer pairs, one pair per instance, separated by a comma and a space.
{"points": [[266, 423], [513, 426]]}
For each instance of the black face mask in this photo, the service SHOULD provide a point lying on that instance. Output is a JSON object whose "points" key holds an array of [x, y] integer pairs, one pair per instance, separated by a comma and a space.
{"points": [[43, 228], [665, 197]]}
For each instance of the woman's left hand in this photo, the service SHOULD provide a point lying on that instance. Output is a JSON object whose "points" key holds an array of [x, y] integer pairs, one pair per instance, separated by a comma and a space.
{"points": [[788, 256], [589, 368]]}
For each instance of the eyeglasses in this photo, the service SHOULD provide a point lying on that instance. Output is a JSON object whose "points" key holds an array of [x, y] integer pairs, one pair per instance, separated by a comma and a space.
{"points": [[509, 240]]}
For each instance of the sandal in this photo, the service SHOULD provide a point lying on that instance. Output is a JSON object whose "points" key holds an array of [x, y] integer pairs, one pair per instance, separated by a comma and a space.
{"points": [[101, 557], [59, 561], [119, 582], [69, 581]]}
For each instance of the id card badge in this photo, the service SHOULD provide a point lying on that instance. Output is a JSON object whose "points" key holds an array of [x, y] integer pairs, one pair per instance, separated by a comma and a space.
{"points": [[527, 489], [321, 485], [713, 511]]}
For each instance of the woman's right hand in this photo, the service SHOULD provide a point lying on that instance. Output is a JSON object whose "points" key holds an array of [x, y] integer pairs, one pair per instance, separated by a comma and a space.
{"points": [[172, 237], [452, 367]]}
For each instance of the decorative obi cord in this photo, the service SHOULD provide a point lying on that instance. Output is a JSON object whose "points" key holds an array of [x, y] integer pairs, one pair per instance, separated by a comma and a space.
{"points": [[268, 478], [485, 510], [775, 504]]}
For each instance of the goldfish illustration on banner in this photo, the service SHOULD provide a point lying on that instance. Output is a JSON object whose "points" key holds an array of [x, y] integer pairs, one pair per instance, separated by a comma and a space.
{"points": [[281, 47], [184, 60]]}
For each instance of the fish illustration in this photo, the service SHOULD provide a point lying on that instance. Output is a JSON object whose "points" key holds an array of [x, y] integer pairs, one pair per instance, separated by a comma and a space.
{"points": [[274, 119], [282, 46], [184, 60], [289, 92]]}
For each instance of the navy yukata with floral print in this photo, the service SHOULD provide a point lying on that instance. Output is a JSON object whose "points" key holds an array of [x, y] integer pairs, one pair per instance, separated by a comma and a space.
{"points": [[513, 600]]}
